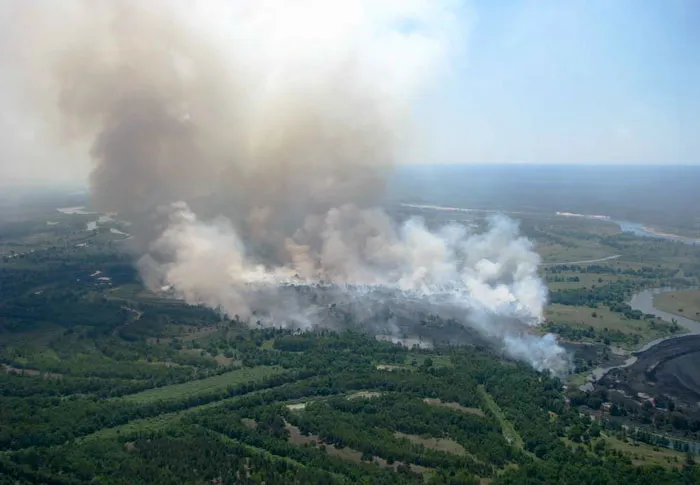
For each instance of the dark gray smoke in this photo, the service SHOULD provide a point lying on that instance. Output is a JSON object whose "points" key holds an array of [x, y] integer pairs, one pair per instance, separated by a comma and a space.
{"points": [[249, 141]]}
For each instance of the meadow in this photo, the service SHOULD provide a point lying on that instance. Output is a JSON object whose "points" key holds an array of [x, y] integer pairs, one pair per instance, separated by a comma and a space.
{"points": [[685, 303], [203, 386]]}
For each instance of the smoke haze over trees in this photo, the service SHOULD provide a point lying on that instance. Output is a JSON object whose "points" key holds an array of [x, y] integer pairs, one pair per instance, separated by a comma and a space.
{"points": [[249, 143]]}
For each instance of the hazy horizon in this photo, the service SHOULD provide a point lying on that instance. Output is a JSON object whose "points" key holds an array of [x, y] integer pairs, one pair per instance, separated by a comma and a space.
{"points": [[83, 183]]}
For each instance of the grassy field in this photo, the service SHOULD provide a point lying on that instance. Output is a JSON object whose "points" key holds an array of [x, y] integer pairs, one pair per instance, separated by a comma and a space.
{"points": [[135, 291], [144, 425], [586, 280], [644, 454], [583, 317], [268, 345], [203, 386], [578, 251], [685, 303]]}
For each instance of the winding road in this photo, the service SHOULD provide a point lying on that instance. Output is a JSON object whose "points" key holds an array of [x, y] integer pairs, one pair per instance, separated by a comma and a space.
{"points": [[587, 261]]}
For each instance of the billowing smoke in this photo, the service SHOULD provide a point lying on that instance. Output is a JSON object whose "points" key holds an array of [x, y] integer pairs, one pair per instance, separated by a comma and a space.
{"points": [[250, 142]]}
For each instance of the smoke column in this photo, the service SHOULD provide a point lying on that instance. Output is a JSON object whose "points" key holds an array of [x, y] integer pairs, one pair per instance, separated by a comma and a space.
{"points": [[250, 142]]}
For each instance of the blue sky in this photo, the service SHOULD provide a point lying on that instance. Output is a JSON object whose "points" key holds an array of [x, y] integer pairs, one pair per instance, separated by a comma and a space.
{"points": [[592, 81]]}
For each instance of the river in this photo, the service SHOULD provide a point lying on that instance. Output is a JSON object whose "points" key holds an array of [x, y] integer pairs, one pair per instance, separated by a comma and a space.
{"points": [[635, 228], [642, 230], [644, 302]]}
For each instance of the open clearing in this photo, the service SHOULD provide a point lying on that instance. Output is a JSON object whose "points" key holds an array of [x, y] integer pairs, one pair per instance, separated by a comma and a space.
{"points": [[249, 423], [644, 454], [28, 372], [202, 386], [297, 407], [674, 301], [133, 291], [154, 423], [446, 445], [577, 251], [345, 453], [391, 368], [453, 406], [585, 280], [364, 394]]}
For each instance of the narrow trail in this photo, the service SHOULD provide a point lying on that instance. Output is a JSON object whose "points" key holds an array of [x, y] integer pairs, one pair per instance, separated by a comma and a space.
{"points": [[136, 316]]}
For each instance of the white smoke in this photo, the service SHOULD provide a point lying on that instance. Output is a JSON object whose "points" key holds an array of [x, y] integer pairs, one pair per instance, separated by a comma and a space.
{"points": [[490, 277], [275, 122]]}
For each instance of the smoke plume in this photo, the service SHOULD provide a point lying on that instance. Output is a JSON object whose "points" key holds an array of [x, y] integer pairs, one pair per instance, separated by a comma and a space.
{"points": [[250, 143]]}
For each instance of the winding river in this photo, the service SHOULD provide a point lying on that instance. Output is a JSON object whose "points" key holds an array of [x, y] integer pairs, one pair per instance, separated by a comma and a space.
{"points": [[644, 302], [642, 230]]}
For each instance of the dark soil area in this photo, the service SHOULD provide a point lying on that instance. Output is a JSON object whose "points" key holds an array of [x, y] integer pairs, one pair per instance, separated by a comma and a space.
{"points": [[670, 368]]}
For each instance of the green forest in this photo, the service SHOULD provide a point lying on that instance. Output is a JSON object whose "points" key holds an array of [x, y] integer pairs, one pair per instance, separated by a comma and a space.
{"points": [[332, 413]]}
